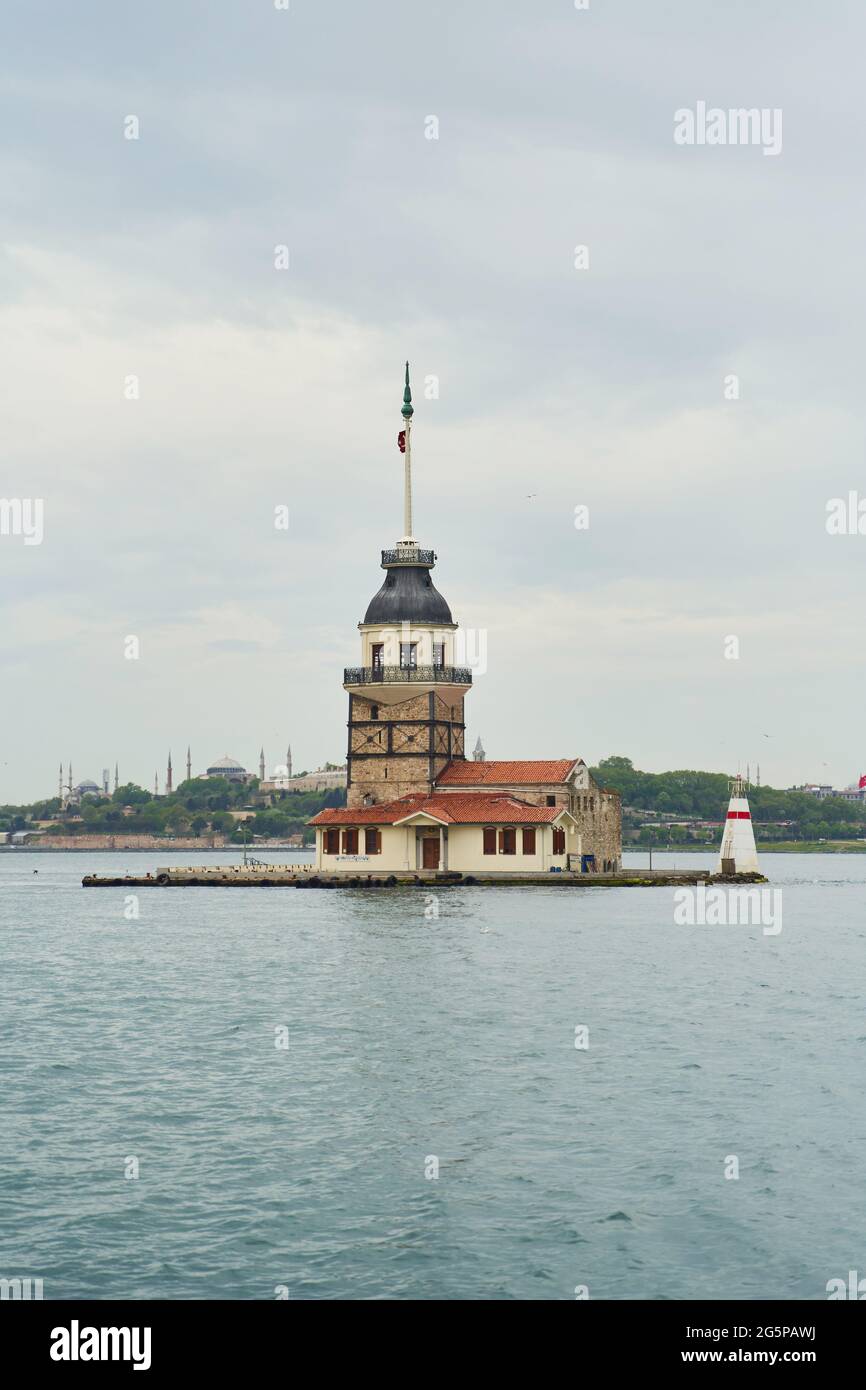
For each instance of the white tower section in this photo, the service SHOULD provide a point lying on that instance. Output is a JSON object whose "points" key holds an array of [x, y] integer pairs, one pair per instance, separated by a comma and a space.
{"points": [[738, 854]]}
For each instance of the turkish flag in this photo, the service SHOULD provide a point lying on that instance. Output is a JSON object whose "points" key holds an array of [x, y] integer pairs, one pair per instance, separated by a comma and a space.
{"points": [[862, 783], [401, 441]]}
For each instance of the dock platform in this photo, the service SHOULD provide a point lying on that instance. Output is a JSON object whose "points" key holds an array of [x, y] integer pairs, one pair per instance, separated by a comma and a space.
{"points": [[304, 876]]}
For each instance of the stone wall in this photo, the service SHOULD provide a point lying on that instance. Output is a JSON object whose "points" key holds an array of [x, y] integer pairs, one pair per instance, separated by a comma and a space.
{"points": [[599, 817], [121, 841], [390, 756]]}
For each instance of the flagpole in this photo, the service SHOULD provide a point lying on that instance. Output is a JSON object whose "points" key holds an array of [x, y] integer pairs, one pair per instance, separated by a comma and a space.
{"points": [[407, 488]]}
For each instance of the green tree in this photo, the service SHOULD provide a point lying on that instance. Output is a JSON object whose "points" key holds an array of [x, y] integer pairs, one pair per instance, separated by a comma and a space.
{"points": [[131, 795]]}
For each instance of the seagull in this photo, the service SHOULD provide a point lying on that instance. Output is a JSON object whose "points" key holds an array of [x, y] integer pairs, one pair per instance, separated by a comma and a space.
{"points": [[531, 496]]}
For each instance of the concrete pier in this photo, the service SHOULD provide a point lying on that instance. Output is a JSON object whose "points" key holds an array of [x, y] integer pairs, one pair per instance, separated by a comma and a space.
{"points": [[304, 876]]}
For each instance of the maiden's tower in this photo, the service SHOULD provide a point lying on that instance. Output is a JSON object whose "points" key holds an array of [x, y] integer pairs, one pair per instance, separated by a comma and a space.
{"points": [[413, 799]]}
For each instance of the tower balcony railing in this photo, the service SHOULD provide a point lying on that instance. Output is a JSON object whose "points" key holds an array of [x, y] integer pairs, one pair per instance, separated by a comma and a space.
{"points": [[408, 555], [398, 675]]}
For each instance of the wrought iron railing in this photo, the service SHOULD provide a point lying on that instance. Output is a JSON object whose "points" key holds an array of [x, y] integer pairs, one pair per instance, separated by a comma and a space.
{"points": [[388, 675], [408, 555]]}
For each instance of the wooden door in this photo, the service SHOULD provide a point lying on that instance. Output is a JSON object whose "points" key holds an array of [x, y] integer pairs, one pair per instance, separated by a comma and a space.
{"points": [[430, 852]]}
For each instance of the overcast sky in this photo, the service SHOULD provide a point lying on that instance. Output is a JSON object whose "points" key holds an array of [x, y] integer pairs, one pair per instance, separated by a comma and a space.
{"points": [[558, 386]]}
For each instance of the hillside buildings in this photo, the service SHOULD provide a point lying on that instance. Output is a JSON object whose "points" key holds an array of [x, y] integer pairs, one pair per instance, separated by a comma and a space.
{"points": [[331, 777], [821, 791], [229, 768], [71, 794], [328, 778]]}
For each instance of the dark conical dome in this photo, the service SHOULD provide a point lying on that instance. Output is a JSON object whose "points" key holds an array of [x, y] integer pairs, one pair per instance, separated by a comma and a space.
{"points": [[408, 593]]}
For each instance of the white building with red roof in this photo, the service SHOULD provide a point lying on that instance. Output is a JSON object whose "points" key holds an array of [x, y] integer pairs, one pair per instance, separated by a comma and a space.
{"points": [[414, 801], [446, 832]]}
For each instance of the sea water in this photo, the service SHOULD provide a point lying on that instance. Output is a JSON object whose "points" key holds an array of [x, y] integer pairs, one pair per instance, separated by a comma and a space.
{"points": [[477, 1093]]}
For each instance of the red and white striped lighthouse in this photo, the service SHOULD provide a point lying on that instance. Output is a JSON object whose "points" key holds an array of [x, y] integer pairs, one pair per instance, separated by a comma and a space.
{"points": [[738, 854]]}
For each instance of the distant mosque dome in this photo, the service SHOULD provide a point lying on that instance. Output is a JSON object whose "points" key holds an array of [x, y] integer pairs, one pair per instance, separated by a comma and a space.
{"points": [[227, 767], [87, 786]]}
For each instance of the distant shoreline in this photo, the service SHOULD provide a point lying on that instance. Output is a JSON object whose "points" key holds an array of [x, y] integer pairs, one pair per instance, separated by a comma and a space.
{"points": [[783, 847], [166, 848], [786, 847]]}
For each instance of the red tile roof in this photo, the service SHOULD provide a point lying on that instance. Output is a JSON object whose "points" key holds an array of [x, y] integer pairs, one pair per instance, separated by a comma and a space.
{"points": [[358, 815], [463, 773], [457, 809]]}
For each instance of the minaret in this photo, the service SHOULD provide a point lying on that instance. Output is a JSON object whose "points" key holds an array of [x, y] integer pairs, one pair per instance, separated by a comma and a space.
{"points": [[289, 761], [406, 697], [478, 754], [188, 765], [156, 784], [262, 765], [738, 854], [116, 778], [168, 782], [758, 777], [60, 783]]}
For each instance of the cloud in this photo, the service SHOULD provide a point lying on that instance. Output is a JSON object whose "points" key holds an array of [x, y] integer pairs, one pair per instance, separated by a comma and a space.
{"points": [[154, 259]]}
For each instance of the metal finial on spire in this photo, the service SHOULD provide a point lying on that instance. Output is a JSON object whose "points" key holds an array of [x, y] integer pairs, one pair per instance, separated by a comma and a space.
{"points": [[404, 441], [407, 412]]}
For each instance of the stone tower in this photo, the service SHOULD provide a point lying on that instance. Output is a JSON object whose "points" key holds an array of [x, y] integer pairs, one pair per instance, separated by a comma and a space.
{"points": [[406, 698]]}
